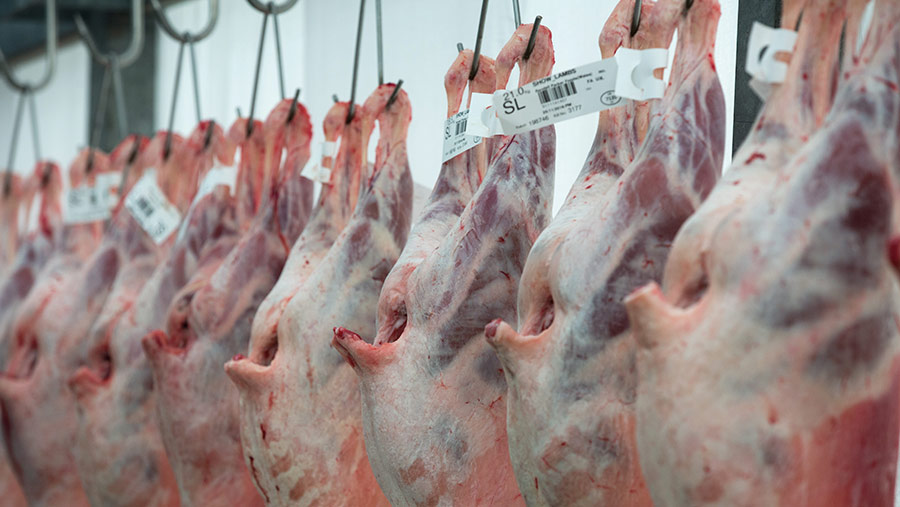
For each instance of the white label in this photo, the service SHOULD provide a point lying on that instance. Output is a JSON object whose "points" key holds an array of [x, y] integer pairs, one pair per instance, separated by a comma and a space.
{"points": [[456, 140], [864, 25], [635, 78], [764, 44], [108, 186], [320, 174], [329, 149], [562, 96], [152, 210], [86, 204]]}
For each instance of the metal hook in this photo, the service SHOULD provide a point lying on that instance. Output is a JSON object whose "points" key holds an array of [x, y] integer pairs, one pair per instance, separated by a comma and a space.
{"points": [[517, 14], [460, 47], [688, 4], [278, 51], [168, 146], [379, 45], [186, 37], [51, 45], [132, 156], [352, 110], [35, 133], [335, 98], [209, 132], [476, 58], [394, 94], [131, 54], [293, 111], [531, 38], [636, 18], [20, 108], [262, 40], [271, 8]]}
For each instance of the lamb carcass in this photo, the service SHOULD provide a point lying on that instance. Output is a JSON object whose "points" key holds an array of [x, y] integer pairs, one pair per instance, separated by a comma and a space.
{"points": [[571, 370], [209, 319], [50, 341], [433, 393], [10, 206], [119, 452], [300, 419], [777, 382]]}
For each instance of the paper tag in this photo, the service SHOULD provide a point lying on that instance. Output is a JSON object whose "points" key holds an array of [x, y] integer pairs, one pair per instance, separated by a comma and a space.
{"points": [[318, 172], [456, 140], [149, 206], [635, 78], [108, 186], [86, 204], [562, 96], [329, 149], [766, 42]]}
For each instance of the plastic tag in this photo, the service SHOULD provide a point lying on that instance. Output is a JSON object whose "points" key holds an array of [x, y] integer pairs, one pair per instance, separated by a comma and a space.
{"points": [[86, 204], [152, 210], [318, 172], [482, 120], [635, 79], [562, 96], [329, 149], [766, 42], [456, 140]]}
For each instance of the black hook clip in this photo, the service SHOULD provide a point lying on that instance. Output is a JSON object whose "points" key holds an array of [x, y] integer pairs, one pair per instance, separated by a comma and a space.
{"points": [[207, 139], [393, 97], [531, 38], [45, 175], [476, 58], [293, 110], [636, 18], [687, 5]]}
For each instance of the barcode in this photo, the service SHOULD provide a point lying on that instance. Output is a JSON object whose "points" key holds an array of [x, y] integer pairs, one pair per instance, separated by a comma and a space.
{"points": [[556, 92], [461, 126], [145, 206]]}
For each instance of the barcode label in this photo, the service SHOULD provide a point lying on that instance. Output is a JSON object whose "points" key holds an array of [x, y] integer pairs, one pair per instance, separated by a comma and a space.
{"points": [[85, 204], [562, 96], [151, 209], [456, 140], [556, 92]]}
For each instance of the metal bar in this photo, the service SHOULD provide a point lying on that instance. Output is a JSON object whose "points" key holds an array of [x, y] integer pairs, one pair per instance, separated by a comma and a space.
{"points": [[35, 132], [293, 110], [20, 108], [119, 94], [394, 94], [378, 38], [100, 112], [167, 26], [51, 46], [272, 9], [131, 54], [476, 58], [531, 38], [196, 80], [262, 40], [352, 111], [168, 146], [278, 52], [459, 47], [127, 169], [517, 14]]}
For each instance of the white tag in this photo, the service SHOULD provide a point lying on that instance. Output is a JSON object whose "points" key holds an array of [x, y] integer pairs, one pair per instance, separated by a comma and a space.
{"points": [[483, 120], [456, 140], [562, 96], [152, 210], [635, 79], [108, 186], [766, 42], [329, 149], [320, 174], [86, 204]]}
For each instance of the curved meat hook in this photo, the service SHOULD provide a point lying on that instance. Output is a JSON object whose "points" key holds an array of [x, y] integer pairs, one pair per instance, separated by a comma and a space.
{"points": [[186, 36], [131, 54], [51, 56], [636, 18], [271, 8]]}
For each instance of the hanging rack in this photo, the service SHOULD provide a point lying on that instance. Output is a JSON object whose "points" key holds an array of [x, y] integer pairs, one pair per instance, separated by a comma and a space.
{"points": [[113, 62], [477, 54], [269, 9], [636, 18], [27, 90], [185, 38]]}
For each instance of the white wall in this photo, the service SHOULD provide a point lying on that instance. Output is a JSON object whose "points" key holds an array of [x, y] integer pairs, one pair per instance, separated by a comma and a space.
{"points": [[62, 110]]}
